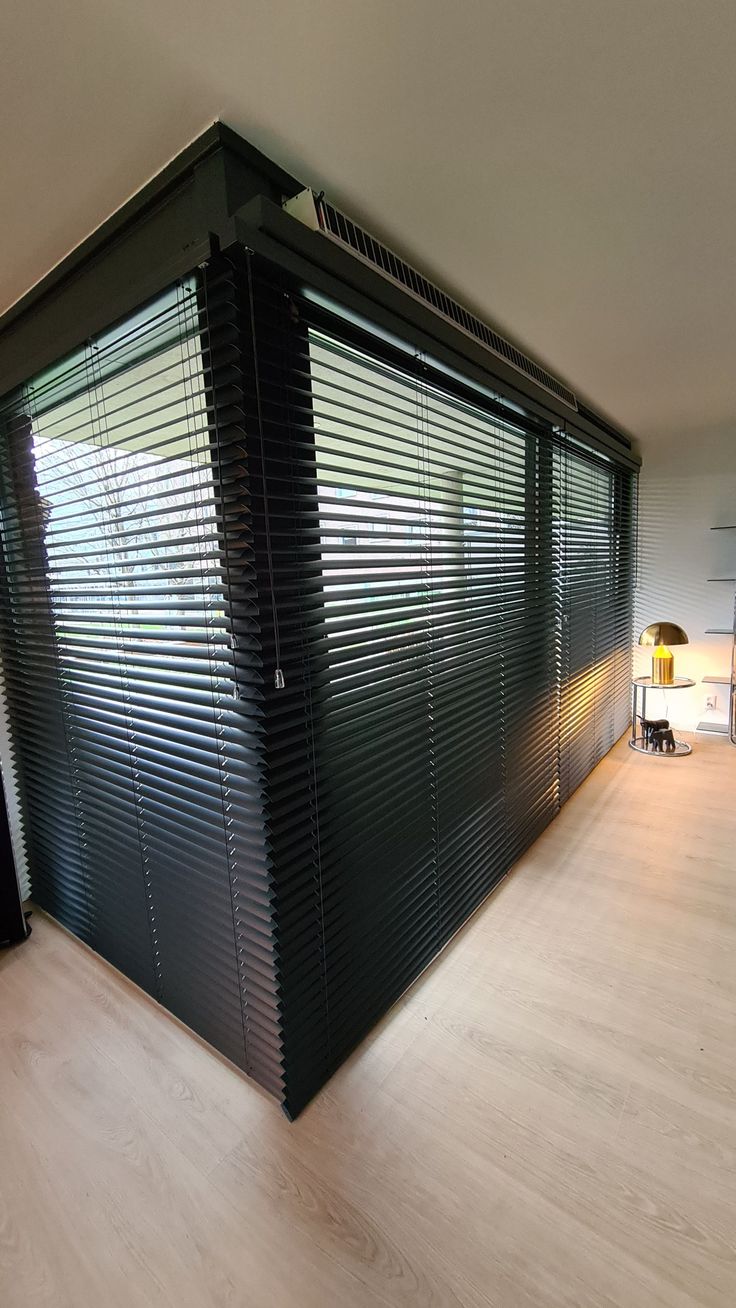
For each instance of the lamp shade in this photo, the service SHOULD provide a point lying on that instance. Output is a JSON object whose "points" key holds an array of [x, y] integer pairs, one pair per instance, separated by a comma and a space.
{"points": [[663, 633]]}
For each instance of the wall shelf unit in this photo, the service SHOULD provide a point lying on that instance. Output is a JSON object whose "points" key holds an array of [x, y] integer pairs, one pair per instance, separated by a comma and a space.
{"points": [[729, 728]]}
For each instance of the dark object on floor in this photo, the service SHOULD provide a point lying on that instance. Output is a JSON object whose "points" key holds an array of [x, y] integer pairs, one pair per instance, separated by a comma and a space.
{"points": [[664, 739], [13, 925], [650, 725]]}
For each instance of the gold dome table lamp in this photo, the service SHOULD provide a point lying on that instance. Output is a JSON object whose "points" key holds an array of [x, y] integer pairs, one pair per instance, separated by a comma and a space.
{"points": [[656, 736], [660, 635]]}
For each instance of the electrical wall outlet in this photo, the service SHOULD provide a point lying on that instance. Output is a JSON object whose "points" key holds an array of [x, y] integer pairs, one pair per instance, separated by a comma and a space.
{"points": [[711, 701]]}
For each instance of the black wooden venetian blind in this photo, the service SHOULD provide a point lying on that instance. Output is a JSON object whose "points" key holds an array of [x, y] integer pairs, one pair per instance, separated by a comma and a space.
{"points": [[453, 588], [593, 526], [438, 645], [237, 486], [133, 705]]}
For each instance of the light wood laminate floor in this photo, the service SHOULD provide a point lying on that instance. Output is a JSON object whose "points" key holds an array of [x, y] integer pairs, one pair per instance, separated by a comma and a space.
{"points": [[547, 1119]]}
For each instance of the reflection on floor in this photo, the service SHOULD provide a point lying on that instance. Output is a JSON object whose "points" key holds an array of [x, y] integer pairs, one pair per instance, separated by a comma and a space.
{"points": [[547, 1119]]}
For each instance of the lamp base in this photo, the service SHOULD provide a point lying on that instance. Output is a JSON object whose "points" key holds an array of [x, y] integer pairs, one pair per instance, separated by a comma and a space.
{"points": [[663, 666]]}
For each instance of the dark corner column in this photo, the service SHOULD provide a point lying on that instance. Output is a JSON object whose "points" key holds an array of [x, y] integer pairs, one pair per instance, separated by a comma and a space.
{"points": [[287, 556], [271, 550]]}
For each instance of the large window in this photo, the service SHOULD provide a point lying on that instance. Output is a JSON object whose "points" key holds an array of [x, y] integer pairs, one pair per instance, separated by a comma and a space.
{"points": [[468, 635], [121, 661], [304, 640]]}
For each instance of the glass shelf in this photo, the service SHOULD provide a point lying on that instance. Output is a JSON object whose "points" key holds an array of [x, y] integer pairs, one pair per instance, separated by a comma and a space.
{"points": [[679, 683]]}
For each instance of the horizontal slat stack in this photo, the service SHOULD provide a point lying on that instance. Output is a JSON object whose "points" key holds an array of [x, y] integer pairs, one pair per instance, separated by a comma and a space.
{"points": [[425, 545], [136, 734], [305, 641]]}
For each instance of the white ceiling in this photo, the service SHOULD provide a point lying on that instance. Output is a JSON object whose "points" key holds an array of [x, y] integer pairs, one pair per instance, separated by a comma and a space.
{"points": [[567, 167]]}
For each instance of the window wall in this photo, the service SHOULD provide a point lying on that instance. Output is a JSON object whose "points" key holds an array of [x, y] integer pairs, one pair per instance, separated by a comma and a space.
{"points": [[474, 621], [304, 640], [118, 655]]}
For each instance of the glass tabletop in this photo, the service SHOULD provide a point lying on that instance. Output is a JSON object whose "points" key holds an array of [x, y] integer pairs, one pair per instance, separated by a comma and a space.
{"points": [[679, 683]]}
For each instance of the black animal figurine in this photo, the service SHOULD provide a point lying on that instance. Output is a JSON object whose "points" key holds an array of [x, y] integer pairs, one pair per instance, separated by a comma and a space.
{"points": [[649, 726], [663, 739]]}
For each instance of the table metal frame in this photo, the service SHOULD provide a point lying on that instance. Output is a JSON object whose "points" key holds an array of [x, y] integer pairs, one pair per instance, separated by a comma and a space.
{"points": [[636, 742]]}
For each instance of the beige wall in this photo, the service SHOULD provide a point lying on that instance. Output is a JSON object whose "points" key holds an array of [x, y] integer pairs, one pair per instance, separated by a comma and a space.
{"points": [[688, 485]]}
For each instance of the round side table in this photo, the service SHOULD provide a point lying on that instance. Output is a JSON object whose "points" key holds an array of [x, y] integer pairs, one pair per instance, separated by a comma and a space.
{"points": [[638, 743]]}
